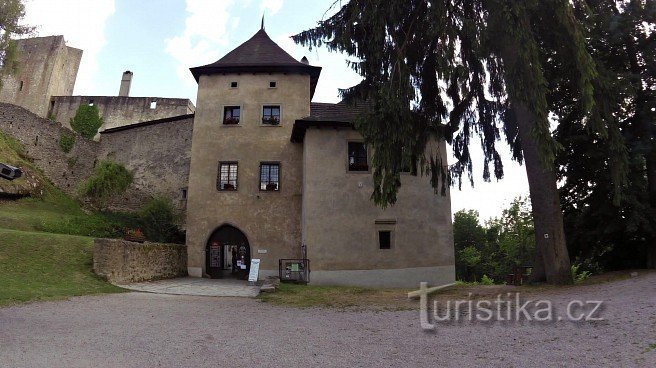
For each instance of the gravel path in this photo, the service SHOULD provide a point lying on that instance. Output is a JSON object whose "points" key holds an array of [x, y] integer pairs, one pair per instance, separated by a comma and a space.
{"points": [[149, 330]]}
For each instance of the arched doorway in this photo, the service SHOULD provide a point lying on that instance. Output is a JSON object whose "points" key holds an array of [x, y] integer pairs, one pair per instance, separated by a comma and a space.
{"points": [[228, 253]]}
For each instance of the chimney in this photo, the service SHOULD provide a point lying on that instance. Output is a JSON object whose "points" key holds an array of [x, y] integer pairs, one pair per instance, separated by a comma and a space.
{"points": [[126, 81], [304, 60]]}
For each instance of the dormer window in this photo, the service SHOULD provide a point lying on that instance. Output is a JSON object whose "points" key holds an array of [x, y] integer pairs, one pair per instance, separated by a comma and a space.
{"points": [[273, 84], [271, 115], [231, 115], [234, 84]]}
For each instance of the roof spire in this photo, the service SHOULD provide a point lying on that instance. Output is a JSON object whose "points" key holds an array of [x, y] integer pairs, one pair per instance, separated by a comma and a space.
{"points": [[262, 26]]}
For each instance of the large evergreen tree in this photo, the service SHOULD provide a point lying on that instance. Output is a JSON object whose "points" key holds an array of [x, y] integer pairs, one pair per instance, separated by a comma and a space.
{"points": [[619, 233], [451, 69]]}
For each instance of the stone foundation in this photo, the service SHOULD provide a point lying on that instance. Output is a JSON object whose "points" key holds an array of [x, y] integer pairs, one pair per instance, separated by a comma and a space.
{"points": [[121, 261]]}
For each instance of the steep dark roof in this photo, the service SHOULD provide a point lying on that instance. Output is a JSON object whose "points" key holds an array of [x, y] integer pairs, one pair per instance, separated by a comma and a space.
{"points": [[259, 55], [328, 115], [147, 123]]}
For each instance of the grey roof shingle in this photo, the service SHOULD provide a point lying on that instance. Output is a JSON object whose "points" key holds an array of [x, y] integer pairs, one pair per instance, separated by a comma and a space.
{"points": [[339, 115], [320, 111], [259, 55]]}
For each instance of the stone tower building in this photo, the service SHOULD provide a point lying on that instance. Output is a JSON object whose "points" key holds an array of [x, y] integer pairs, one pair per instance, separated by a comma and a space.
{"points": [[47, 67], [275, 176]]}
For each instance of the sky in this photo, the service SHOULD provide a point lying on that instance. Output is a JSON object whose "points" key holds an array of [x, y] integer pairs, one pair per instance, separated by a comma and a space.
{"points": [[159, 40]]}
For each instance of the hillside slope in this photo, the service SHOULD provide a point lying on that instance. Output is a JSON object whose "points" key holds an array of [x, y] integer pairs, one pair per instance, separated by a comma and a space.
{"points": [[33, 181]]}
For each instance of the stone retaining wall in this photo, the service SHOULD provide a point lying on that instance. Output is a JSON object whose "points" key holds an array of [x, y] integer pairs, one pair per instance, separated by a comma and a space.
{"points": [[121, 261]]}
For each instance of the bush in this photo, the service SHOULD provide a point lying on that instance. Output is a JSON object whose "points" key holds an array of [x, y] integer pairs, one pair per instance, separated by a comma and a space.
{"points": [[71, 162], [159, 219], [486, 280], [108, 179], [66, 142], [579, 275], [87, 121]]}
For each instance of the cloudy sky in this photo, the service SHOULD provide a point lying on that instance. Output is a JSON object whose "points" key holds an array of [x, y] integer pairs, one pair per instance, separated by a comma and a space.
{"points": [[159, 40]]}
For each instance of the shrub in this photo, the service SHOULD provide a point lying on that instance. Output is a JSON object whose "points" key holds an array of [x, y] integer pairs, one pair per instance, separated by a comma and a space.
{"points": [[485, 280], [66, 142], [577, 274], [87, 120], [108, 179], [159, 221], [71, 162]]}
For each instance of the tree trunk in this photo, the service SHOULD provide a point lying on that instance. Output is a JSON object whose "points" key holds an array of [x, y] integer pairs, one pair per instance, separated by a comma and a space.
{"points": [[651, 187], [550, 244]]}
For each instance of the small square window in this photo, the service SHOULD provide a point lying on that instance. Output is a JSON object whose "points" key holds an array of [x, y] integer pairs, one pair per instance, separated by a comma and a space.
{"points": [[357, 156], [270, 177], [272, 84], [90, 102], [227, 178], [153, 105], [231, 115], [271, 115], [385, 239], [233, 84]]}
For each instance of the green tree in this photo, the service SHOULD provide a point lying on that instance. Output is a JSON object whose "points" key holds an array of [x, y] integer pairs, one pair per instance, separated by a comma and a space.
{"points": [[159, 221], [512, 236], [620, 233], [108, 179], [469, 240], [87, 120], [11, 14], [451, 69]]}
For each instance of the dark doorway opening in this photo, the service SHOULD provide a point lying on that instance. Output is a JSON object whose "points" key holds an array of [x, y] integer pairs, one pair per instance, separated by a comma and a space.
{"points": [[228, 253]]}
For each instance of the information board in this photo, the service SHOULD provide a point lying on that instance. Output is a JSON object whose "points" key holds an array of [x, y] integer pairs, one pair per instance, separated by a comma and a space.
{"points": [[255, 270], [215, 256]]}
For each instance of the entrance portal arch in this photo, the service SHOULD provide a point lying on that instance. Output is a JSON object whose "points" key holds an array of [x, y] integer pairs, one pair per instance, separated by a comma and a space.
{"points": [[228, 253]]}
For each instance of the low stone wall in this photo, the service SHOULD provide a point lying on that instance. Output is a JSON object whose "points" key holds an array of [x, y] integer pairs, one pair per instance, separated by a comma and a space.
{"points": [[121, 261]]}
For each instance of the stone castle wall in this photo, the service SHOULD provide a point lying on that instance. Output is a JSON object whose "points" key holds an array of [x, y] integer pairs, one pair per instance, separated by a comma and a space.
{"points": [[40, 137], [158, 154], [47, 67], [119, 111], [121, 261]]}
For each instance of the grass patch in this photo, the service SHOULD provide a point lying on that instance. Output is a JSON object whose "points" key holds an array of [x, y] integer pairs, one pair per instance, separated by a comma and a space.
{"points": [[340, 297], [344, 297], [39, 266], [60, 214]]}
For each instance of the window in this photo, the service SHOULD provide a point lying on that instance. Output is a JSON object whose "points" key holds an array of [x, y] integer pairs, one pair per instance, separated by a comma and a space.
{"points": [[227, 179], [153, 105], [184, 193], [231, 115], [357, 156], [385, 239], [271, 115], [233, 84], [408, 164], [90, 102], [272, 84], [20, 86], [270, 177]]}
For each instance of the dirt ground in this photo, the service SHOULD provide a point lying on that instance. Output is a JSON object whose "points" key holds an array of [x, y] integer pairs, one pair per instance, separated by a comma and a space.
{"points": [[150, 330]]}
